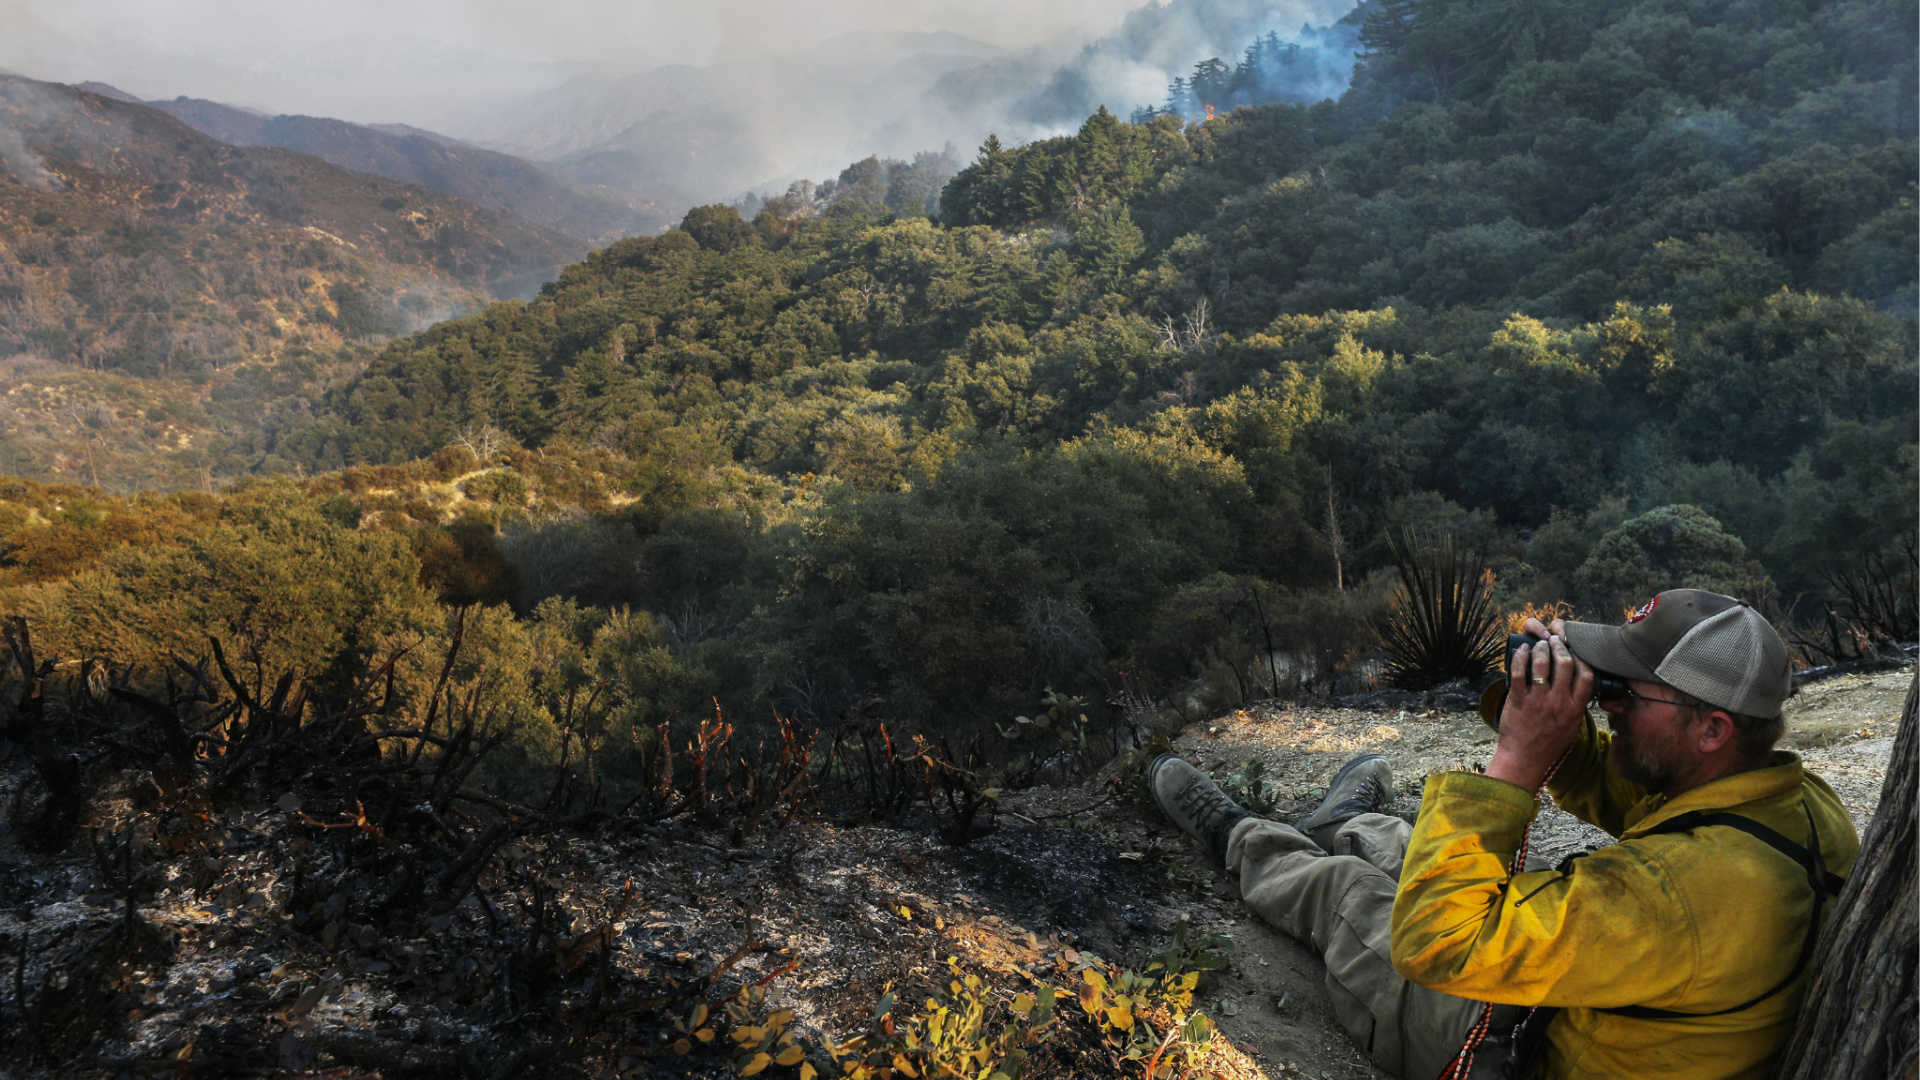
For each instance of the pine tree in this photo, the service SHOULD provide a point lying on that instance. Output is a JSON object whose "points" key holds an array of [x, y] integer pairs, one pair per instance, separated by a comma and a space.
{"points": [[1110, 244], [993, 158], [1098, 169], [1211, 82], [1388, 26], [983, 192], [1180, 99]]}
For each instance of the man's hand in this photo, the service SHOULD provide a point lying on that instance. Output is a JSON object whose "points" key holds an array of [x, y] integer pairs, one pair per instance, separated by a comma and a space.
{"points": [[1546, 702]]}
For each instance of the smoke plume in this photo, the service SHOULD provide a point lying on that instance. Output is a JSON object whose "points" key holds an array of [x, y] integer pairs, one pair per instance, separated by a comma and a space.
{"points": [[676, 104]]}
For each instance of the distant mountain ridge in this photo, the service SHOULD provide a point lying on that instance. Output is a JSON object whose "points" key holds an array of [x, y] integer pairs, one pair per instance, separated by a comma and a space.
{"points": [[123, 156], [409, 129], [591, 110], [105, 91], [681, 135], [151, 273], [417, 156]]}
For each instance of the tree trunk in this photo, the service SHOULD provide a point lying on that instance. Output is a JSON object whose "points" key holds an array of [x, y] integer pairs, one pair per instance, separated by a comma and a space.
{"points": [[1858, 1021]]}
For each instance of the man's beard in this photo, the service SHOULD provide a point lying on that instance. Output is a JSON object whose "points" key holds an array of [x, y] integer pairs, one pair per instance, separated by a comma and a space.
{"points": [[1653, 764]]}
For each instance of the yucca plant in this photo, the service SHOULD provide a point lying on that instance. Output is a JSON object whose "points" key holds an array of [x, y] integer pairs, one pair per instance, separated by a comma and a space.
{"points": [[1443, 624]]}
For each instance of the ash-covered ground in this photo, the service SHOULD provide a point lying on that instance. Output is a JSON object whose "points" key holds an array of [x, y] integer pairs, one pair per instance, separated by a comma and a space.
{"points": [[237, 979], [279, 927], [326, 908]]}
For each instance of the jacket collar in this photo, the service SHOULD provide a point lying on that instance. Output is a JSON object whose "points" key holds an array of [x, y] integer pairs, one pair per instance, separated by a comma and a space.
{"points": [[1782, 777]]}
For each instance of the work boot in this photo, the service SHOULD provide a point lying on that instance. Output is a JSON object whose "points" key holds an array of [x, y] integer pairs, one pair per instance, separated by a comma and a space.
{"points": [[1194, 802], [1362, 786]]}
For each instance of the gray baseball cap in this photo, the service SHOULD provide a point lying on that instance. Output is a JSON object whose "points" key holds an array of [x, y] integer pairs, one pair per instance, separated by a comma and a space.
{"points": [[1715, 647]]}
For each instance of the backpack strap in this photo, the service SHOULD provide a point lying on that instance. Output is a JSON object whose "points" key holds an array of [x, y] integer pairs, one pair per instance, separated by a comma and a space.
{"points": [[1824, 883]]}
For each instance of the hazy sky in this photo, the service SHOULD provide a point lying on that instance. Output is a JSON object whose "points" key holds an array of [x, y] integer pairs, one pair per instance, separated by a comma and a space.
{"points": [[393, 60]]}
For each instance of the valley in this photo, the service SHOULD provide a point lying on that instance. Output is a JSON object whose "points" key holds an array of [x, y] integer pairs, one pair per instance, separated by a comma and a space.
{"points": [[679, 576]]}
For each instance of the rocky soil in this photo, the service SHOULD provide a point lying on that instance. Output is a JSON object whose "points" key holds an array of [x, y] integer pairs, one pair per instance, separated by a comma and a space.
{"points": [[1843, 728]]}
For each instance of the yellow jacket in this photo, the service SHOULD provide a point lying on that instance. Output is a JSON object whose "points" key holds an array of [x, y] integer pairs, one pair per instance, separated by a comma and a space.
{"points": [[1686, 922]]}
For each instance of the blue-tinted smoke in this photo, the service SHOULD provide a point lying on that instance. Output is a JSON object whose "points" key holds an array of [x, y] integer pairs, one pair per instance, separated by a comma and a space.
{"points": [[1248, 52], [1312, 65]]}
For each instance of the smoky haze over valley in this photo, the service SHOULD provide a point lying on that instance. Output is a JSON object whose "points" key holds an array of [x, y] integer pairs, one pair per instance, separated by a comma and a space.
{"points": [[663, 106]]}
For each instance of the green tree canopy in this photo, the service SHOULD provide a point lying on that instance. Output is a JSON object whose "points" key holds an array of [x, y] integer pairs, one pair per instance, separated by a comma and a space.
{"points": [[1668, 547]]}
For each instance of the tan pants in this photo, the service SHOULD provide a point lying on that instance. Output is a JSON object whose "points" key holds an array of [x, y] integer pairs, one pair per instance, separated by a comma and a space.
{"points": [[1342, 906]]}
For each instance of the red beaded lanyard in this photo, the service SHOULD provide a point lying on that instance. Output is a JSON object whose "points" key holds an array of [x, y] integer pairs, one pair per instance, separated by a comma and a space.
{"points": [[1462, 1064]]}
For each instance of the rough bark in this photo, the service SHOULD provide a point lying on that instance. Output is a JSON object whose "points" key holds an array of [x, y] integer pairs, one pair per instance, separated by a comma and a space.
{"points": [[1858, 1020]]}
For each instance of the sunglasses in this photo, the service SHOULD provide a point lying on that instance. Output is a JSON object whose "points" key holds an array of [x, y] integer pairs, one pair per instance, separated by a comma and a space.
{"points": [[1614, 688]]}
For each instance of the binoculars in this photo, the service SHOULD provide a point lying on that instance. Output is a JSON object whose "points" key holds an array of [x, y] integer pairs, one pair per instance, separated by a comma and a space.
{"points": [[1605, 687]]}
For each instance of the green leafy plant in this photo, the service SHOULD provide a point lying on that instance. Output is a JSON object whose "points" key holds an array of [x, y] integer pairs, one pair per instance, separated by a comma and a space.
{"points": [[1250, 789], [1062, 719], [1144, 1017], [1191, 951]]}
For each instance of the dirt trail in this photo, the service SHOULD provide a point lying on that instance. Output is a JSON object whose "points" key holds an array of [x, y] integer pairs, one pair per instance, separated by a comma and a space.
{"points": [[1273, 1000]]}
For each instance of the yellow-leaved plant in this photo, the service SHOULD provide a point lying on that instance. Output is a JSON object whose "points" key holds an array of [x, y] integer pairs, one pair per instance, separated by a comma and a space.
{"points": [[760, 1037], [962, 1034], [1145, 1018]]}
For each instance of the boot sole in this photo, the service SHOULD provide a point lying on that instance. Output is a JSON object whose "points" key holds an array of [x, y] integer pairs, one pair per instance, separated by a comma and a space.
{"points": [[1153, 777]]}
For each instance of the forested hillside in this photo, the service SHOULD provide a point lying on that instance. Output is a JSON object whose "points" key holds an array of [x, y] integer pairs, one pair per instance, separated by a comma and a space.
{"points": [[1620, 293]]}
